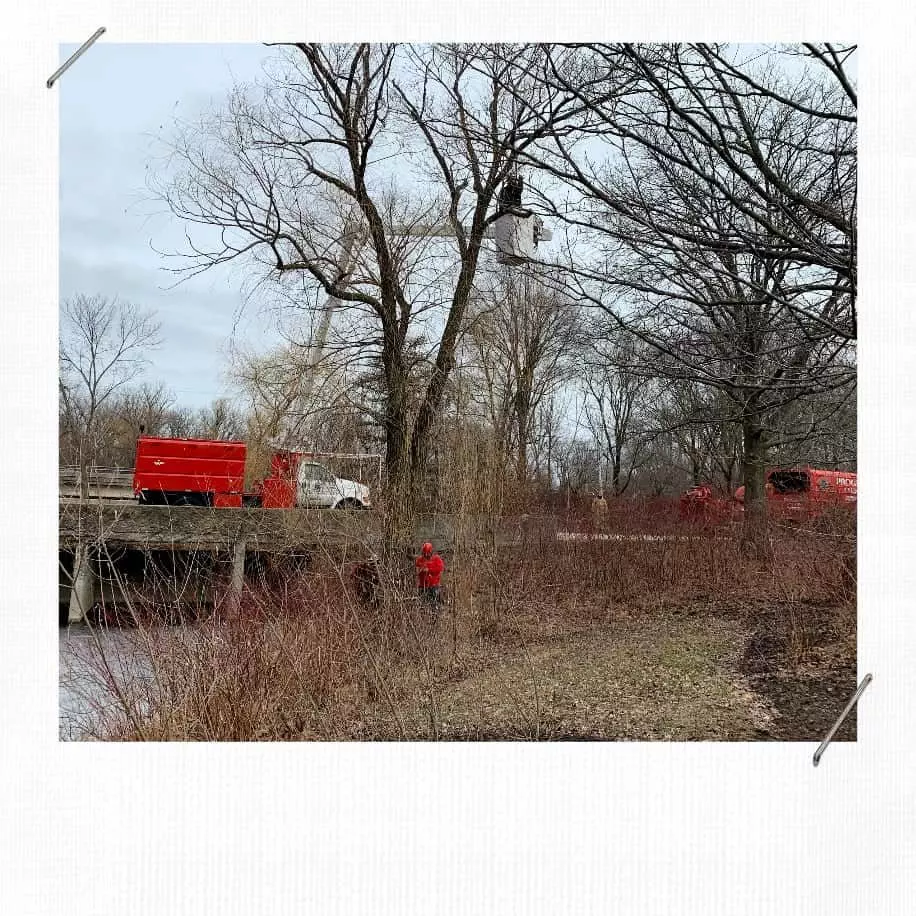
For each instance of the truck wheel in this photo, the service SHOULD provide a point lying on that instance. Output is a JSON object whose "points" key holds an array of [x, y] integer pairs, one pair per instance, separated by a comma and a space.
{"points": [[349, 504]]}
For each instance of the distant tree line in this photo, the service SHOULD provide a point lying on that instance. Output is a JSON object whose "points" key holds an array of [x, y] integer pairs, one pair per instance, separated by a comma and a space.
{"points": [[105, 349]]}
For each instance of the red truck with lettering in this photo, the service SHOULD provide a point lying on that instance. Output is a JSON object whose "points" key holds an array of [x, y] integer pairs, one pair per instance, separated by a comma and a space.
{"points": [[805, 493], [793, 493]]}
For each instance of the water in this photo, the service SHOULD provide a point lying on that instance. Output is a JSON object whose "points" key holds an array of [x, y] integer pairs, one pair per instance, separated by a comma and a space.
{"points": [[83, 696]]}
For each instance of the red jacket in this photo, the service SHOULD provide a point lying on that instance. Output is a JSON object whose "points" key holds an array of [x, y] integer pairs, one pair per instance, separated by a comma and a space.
{"points": [[429, 571]]}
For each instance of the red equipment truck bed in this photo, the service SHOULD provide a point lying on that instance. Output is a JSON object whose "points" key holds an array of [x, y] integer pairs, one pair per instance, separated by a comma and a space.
{"points": [[199, 471]]}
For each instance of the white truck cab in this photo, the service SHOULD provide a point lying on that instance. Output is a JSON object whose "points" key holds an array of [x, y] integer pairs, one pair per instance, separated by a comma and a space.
{"points": [[317, 487]]}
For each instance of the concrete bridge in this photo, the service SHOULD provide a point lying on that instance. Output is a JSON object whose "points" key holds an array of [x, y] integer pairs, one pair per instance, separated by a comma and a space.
{"points": [[93, 528]]}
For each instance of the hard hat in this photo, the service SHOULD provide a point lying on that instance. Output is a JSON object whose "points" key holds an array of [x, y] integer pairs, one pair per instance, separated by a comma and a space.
{"points": [[427, 548]]}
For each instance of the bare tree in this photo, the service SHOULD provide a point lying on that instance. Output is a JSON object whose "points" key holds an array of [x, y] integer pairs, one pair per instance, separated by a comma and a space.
{"points": [[300, 174], [135, 410], [781, 139], [521, 341], [700, 421], [220, 420], [145, 407], [819, 430], [725, 208], [104, 346], [616, 386]]}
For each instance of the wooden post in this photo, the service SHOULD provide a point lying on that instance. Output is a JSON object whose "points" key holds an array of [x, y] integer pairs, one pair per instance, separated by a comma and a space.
{"points": [[82, 590]]}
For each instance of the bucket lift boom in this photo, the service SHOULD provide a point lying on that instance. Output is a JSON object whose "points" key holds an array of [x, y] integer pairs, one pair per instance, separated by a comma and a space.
{"points": [[516, 231]]}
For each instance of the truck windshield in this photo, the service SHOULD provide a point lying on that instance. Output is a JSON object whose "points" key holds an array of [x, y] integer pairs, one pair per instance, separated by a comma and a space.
{"points": [[790, 481], [315, 472]]}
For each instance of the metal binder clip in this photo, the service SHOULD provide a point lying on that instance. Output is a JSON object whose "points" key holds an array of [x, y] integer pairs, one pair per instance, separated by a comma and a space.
{"points": [[855, 699], [74, 56]]}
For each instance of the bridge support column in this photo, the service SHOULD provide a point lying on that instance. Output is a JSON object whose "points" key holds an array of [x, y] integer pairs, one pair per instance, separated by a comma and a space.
{"points": [[237, 581], [82, 590]]}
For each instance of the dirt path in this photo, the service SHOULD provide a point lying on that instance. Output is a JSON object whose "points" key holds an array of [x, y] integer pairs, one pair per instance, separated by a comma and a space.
{"points": [[659, 680]]}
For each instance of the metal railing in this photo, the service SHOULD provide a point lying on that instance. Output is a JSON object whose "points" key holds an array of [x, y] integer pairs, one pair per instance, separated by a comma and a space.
{"points": [[103, 482]]}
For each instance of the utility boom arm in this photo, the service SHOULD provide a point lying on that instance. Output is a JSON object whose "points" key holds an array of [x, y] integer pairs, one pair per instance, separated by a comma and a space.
{"points": [[447, 231], [517, 233]]}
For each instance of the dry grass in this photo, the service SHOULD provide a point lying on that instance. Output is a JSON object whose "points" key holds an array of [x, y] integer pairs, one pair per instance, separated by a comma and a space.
{"points": [[624, 680]]}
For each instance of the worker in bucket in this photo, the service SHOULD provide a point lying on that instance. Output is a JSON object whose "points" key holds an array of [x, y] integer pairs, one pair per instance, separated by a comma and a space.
{"points": [[430, 567]]}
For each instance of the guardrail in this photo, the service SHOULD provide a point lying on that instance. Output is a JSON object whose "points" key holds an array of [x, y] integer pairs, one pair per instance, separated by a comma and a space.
{"points": [[70, 474], [107, 485]]}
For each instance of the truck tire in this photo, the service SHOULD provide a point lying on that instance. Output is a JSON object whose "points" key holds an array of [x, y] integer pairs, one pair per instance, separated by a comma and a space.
{"points": [[349, 504]]}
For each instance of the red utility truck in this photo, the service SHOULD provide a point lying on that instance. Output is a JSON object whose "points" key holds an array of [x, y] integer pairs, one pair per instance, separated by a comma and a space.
{"points": [[807, 492], [296, 480], [207, 472], [700, 503], [791, 492]]}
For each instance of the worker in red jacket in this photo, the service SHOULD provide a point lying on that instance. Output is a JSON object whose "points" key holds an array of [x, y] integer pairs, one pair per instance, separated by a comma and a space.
{"points": [[430, 567]]}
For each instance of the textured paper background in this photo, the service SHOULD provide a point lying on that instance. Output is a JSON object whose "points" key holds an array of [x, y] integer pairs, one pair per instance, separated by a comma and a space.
{"points": [[592, 828]]}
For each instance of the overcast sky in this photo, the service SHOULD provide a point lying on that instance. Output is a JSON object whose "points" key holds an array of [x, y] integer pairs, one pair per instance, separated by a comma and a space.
{"points": [[114, 101]]}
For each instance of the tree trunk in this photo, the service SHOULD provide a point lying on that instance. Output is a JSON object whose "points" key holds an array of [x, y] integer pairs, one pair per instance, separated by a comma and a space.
{"points": [[86, 462], [397, 530], [755, 535], [696, 467], [521, 465], [549, 462], [399, 491], [84, 478]]}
